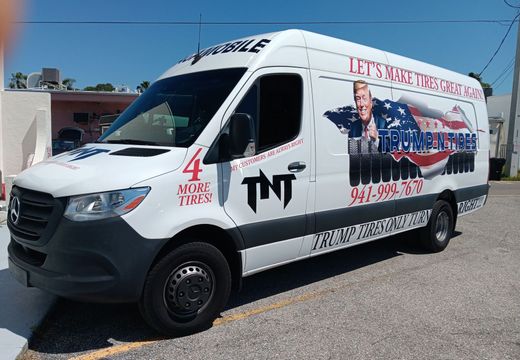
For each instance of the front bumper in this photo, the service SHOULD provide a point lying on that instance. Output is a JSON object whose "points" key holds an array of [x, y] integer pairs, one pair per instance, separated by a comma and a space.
{"points": [[96, 261]]}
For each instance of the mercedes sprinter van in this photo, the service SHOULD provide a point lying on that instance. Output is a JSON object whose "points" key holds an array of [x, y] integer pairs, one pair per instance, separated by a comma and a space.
{"points": [[245, 156]]}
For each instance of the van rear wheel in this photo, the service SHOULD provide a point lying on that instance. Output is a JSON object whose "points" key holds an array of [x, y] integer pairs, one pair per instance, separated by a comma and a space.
{"points": [[186, 290], [437, 234]]}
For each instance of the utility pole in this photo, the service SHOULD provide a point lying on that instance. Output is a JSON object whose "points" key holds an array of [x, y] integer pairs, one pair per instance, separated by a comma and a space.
{"points": [[513, 141]]}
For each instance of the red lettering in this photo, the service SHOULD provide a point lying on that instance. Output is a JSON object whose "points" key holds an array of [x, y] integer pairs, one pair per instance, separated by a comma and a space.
{"points": [[195, 170], [194, 193], [459, 89], [352, 65], [200, 187], [435, 84], [427, 82], [379, 71], [206, 187], [473, 93], [364, 67], [449, 87], [419, 80], [399, 75], [405, 76], [396, 75], [361, 69], [443, 85], [182, 189], [389, 73]]}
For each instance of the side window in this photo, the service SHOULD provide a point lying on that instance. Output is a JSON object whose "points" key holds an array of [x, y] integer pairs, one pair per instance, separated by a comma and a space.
{"points": [[249, 104], [275, 104]]}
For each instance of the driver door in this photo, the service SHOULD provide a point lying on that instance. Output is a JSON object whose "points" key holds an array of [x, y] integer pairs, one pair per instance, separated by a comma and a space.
{"points": [[266, 194]]}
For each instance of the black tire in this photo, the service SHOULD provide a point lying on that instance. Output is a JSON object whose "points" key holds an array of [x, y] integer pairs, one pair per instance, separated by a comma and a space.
{"points": [[437, 234], [186, 290]]}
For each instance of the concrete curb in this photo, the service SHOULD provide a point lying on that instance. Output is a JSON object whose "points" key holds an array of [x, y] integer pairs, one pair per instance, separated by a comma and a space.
{"points": [[21, 309], [3, 212]]}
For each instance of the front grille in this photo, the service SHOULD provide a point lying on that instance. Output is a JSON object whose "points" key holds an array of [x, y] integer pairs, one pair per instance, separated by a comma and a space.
{"points": [[29, 256], [35, 211]]}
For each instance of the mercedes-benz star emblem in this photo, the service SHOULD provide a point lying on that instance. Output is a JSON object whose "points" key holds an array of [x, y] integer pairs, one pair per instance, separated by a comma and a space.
{"points": [[14, 214]]}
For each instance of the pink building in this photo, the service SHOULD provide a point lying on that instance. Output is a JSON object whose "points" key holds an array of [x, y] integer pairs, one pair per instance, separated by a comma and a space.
{"points": [[83, 109]]}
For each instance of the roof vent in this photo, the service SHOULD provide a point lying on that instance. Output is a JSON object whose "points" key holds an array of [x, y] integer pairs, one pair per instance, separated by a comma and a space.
{"points": [[50, 75]]}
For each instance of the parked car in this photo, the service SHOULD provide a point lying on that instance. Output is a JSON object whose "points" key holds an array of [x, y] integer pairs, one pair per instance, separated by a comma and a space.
{"points": [[69, 138]]}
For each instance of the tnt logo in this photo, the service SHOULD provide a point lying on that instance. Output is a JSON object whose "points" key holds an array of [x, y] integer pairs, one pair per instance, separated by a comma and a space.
{"points": [[265, 185]]}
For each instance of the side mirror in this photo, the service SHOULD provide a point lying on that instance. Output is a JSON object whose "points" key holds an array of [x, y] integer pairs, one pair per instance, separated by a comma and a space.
{"points": [[242, 137]]}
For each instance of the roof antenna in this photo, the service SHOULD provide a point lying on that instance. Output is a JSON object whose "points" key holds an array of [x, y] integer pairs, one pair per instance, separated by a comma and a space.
{"points": [[197, 56]]}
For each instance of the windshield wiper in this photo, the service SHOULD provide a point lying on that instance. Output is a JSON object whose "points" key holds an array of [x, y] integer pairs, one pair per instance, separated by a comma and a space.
{"points": [[131, 141]]}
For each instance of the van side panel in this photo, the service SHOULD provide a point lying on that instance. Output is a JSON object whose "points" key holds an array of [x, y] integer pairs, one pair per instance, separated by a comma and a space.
{"points": [[431, 137], [453, 105]]}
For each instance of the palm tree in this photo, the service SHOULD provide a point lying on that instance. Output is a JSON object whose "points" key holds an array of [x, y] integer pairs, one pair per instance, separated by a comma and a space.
{"points": [[18, 81], [68, 83], [107, 87], [143, 86]]}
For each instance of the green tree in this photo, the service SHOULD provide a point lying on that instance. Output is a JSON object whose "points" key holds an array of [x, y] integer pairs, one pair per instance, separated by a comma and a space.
{"points": [[101, 87], [68, 83], [18, 81], [143, 86], [477, 76]]}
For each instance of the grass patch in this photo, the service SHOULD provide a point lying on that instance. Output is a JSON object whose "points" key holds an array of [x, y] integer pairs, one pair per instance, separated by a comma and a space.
{"points": [[510, 178]]}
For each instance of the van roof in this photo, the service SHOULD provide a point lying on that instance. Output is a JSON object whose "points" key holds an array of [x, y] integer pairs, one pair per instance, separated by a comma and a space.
{"points": [[304, 49]]}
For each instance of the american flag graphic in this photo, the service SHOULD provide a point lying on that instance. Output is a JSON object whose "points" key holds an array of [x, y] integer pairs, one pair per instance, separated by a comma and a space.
{"points": [[411, 116]]}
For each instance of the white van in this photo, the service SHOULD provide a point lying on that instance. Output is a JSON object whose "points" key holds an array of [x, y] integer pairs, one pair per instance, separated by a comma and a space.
{"points": [[246, 156]]}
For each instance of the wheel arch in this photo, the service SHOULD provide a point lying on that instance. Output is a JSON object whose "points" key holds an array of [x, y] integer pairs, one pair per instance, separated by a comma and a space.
{"points": [[228, 242], [449, 196]]}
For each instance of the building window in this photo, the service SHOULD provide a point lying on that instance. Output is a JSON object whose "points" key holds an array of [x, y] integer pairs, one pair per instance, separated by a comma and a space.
{"points": [[81, 117]]}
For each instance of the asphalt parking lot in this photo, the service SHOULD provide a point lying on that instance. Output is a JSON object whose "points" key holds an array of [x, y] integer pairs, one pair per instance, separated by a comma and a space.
{"points": [[382, 300]]}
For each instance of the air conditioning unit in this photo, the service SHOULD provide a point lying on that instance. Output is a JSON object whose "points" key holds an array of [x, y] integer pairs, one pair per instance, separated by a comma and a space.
{"points": [[51, 75]]}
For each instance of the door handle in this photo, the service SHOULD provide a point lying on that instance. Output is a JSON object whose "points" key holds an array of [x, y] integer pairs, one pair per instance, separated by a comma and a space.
{"points": [[297, 166]]}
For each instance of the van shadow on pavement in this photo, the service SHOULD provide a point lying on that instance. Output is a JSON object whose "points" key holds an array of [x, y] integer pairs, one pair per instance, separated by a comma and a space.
{"points": [[75, 327]]}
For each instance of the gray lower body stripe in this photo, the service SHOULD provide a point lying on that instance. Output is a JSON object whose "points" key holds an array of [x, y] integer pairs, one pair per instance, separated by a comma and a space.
{"points": [[471, 192], [271, 231], [339, 218]]}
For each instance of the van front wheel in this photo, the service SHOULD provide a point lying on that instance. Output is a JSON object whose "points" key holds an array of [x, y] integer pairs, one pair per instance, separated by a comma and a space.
{"points": [[186, 290], [437, 234]]}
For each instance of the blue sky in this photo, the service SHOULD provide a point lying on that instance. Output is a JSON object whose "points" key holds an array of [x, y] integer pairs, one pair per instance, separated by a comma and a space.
{"points": [[129, 54]]}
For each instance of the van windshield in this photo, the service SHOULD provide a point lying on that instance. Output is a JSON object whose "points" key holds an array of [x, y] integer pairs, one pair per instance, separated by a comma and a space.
{"points": [[174, 111]]}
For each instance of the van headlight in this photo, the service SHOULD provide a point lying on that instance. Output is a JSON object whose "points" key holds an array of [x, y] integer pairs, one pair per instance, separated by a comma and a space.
{"points": [[104, 205]]}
